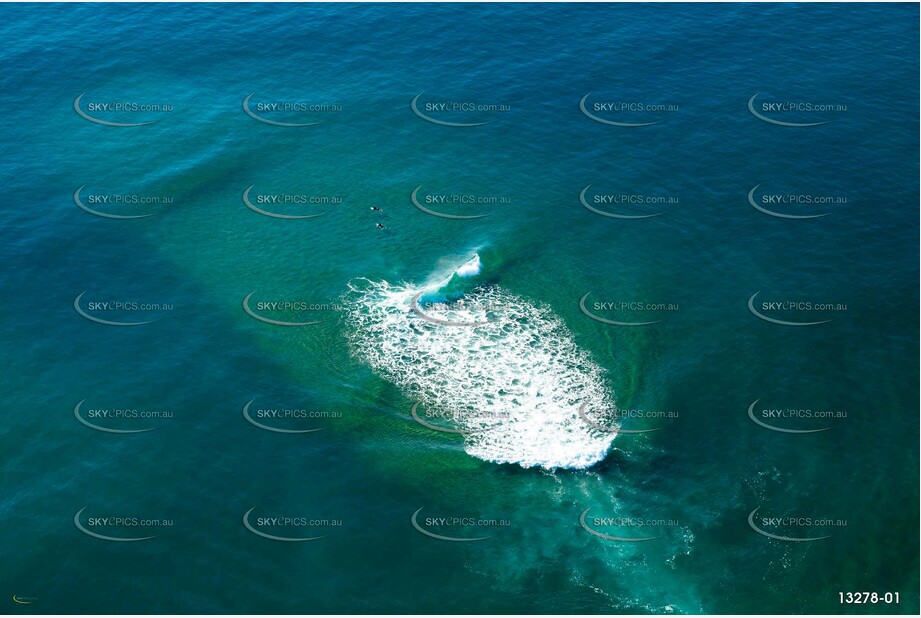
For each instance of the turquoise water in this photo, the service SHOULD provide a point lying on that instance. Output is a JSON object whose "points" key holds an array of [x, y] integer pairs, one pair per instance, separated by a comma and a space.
{"points": [[530, 465]]}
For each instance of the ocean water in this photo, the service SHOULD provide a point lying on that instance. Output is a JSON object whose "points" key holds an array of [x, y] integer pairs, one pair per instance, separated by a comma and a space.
{"points": [[452, 385]]}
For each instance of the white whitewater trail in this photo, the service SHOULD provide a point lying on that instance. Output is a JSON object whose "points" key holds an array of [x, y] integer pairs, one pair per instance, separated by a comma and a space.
{"points": [[513, 385]]}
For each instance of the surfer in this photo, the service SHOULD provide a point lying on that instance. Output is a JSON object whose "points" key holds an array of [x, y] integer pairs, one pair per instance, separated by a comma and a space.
{"points": [[380, 226], [375, 208]]}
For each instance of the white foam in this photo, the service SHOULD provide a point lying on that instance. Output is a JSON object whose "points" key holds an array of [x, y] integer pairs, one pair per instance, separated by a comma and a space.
{"points": [[519, 380], [470, 268]]}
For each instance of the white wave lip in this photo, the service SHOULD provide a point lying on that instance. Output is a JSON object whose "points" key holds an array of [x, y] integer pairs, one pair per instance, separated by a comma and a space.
{"points": [[514, 384], [470, 268]]}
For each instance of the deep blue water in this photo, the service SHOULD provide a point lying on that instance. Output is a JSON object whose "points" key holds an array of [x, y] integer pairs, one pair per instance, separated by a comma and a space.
{"points": [[694, 482]]}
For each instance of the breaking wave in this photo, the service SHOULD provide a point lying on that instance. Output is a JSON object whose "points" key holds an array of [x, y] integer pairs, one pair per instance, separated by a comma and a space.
{"points": [[502, 370]]}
